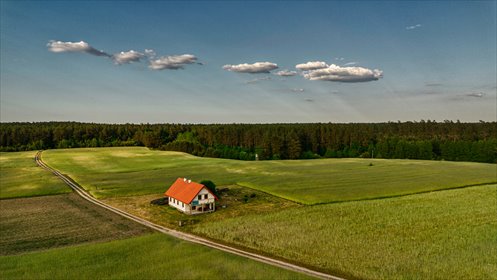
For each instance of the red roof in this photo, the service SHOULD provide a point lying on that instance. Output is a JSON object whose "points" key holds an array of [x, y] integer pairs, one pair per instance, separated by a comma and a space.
{"points": [[185, 190]]}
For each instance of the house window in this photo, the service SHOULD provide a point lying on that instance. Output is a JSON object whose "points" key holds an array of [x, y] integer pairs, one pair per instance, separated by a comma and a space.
{"points": [[182, 204], [205, 196], [199, 197]]}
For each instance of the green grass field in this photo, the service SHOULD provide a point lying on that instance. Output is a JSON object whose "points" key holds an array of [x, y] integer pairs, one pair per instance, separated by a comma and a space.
{"points": [[154, 256], [111, 172], [448, 234], [21, 177]]}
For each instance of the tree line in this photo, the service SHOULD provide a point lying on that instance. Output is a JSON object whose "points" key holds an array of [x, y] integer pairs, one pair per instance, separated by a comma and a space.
{"points": [[428, 140]]}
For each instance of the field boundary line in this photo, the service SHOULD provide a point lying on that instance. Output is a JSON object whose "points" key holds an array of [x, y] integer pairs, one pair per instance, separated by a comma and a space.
{"points": [[181, 235]]}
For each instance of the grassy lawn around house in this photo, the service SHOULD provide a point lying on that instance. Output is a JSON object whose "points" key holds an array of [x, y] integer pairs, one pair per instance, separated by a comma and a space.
{"points": [[234, 201]]}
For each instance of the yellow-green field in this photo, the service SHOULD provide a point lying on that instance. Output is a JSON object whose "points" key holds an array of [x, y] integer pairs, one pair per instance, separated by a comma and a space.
{"points": [[155, 256], [441, 235], [110, 172], [21, 177], [450, 233]]}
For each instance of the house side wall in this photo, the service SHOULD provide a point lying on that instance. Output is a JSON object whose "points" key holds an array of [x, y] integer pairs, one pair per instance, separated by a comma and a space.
{"points": [[183, 207]]}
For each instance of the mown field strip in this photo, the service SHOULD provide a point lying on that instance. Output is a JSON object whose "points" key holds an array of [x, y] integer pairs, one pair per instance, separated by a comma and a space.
{"points": [[181, 235]]}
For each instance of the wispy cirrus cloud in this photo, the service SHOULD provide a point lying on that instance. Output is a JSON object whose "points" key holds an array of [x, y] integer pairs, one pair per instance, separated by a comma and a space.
{"points": [[127, 57], [286, 73], [258, 80], [150, 53], [476, 94], [81, 47], [411, 27], [258, 67], [173, 62], [350, 63], [298, 90], [335, 73]]}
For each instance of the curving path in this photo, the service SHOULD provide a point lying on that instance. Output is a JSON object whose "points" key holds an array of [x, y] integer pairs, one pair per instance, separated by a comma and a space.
{"points": [[185, 236]]}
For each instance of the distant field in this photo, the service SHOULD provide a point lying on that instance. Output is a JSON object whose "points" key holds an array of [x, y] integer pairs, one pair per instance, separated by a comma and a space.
{"points": [[38, 223], [155, 256], [441, 235], [111, 172], [21, 177]]}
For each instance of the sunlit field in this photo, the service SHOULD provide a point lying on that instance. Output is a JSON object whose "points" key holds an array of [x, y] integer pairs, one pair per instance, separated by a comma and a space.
{"points": [[441, 235], [21, 177], [155, 256], [110, 172]]}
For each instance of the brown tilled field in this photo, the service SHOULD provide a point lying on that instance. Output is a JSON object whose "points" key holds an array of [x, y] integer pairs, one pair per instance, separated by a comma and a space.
{"points": [[37, 223]]}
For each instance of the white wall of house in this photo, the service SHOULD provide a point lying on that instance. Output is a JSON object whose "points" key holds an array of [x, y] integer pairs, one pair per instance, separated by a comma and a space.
{"points": [[203, 197], [181, 206]]}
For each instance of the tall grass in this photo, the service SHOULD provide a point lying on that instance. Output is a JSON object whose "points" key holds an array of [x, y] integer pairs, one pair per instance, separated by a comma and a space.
{"points": [[441, 235], [21, 177], [110, 172], [153, 256]]}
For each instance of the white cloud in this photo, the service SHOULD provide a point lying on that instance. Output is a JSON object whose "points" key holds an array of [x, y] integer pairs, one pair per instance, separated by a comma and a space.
{"points": [[258, 67], [311, 65], [127, 57], [413, 26], [150, 53], [286, 73], [59, 46], [172, 62], [336, 73]]}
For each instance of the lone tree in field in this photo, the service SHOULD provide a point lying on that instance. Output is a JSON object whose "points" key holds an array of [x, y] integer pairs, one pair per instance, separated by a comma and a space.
{"points": [[210, 185]]}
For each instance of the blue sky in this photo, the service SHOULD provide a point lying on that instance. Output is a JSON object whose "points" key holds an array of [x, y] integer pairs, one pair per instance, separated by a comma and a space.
{"points": [[382, 61]]}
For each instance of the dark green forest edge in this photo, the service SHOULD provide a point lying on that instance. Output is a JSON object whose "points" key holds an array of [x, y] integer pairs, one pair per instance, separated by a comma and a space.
{"points": [[428, 140]]}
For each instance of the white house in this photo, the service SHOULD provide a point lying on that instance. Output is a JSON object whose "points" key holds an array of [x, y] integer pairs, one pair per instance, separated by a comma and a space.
{"points": [[190, 197]]}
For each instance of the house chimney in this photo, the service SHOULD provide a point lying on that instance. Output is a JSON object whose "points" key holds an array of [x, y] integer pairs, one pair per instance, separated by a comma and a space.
{"points": [[184, 179], [189, 181]]}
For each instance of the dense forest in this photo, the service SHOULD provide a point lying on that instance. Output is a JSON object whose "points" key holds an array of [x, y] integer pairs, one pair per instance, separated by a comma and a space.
{"points": [[402, 140]]}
